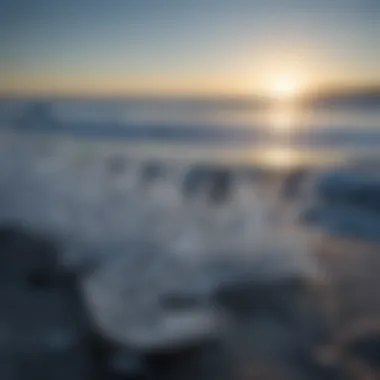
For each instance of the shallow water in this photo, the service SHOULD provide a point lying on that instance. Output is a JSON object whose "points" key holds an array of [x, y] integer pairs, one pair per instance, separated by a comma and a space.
{"points": [[65, 185]]}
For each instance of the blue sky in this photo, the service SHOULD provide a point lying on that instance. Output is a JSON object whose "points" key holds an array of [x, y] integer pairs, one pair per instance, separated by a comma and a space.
{"points": [[185, 46]]}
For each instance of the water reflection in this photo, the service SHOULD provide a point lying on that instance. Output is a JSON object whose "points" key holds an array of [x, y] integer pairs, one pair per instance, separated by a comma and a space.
{"points": [[280, 157], [283, 119]]}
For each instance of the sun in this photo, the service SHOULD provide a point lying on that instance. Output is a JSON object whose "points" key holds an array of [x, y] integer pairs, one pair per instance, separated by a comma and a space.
{"points": [[284, 87]]}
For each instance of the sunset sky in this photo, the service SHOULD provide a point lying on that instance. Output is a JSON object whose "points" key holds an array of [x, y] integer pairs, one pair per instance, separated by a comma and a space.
{"points": [[187, 47]]}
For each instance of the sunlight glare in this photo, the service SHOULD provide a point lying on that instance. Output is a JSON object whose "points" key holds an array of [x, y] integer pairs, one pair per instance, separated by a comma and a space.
{"points": [[282, 119], [280, 157], [282, 88]]}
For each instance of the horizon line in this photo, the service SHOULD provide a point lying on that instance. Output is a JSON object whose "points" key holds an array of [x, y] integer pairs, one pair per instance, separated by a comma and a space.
{"points": [[322, 91]]}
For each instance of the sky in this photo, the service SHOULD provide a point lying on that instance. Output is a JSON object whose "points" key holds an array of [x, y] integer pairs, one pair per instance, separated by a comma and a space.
{"points": [[110, 47]]}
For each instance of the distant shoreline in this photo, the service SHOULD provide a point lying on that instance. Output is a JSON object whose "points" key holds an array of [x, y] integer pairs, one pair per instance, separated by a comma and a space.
{"points": [[356, 96]]}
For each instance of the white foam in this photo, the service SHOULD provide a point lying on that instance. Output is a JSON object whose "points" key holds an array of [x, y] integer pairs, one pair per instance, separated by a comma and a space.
{"points": [[63, 187]]}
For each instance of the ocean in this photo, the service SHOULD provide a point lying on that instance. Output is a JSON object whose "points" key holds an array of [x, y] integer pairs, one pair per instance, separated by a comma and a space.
{"points": [[232, 130], [58, 178]]}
